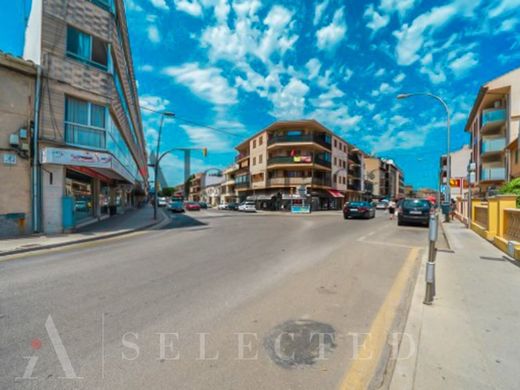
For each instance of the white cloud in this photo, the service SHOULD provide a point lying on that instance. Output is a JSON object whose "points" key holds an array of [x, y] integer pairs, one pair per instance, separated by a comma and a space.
{"points": [[206, 83], [436, 75], [319, 11], [504, 6], [191, 7], [330, 36], [399, 78], [313, 67], [277, 37], [151, 102], [289, 100], [375, 21], [153, 33], [381, 72], [203, 137], [146, 68], [160, 4], [365, 104], [401, 6], [508, 25], [386, 88], [461, 65], [133, 6]]}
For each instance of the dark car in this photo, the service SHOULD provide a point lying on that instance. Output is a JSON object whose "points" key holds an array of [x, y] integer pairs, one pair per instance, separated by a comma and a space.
{"points": [[192, 206], [203, 205], [359, 210], [232, 206], [414, 211]]}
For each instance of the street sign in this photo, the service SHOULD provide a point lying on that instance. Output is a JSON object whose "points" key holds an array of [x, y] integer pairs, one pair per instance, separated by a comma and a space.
{"points": [[9, 159]]}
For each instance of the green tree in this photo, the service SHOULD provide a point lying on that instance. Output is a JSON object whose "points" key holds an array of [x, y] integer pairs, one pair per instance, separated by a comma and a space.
{"points": [[512, 188]]}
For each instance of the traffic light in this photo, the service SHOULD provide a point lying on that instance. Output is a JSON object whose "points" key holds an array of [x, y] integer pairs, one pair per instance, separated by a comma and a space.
{"points": [[455, 183], [204, 152]]}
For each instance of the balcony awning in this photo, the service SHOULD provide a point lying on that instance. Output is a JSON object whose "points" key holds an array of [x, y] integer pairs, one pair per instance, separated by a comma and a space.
{"points": [[335, 194]]}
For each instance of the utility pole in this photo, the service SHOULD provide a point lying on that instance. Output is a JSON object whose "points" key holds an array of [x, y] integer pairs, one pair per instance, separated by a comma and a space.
{"points": [[156, 162]]}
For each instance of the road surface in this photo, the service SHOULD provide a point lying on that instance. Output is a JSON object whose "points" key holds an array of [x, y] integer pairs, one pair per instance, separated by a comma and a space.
{"points": [[213, 300]]}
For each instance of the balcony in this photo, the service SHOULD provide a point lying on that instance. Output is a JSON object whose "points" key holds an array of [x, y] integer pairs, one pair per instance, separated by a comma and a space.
{"points": [[493, 145], [492, 120], [493, 174], [303, 138], [297, 160], [241, 157], [298, 181]]}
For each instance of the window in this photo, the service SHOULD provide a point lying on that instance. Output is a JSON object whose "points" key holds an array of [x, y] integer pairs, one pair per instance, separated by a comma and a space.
{"points": [[335, 143], [254, 160], [260, 159], [335, 161], [85, 123], [124, 104], [254, 143], [260, 140], [87, 48], [106, 4], [516, 156]]}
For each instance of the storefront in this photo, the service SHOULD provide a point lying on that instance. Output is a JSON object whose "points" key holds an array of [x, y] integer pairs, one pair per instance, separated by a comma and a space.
{"points": [[81, 187]]}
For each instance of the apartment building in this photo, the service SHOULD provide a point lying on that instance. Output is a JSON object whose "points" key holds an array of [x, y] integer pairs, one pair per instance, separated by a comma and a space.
{"points": [[90, 156], [493, 124], [228, 193], [195, 190], [290, 161], [459, 161], [386, 177]]}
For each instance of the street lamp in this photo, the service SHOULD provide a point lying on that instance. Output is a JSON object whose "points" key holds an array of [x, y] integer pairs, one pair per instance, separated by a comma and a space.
{"points": [[164, 114], [448, 163]]}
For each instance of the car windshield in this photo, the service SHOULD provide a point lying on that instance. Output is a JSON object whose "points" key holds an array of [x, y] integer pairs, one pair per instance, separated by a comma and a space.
{"points": [[358, 204], [410, 203]]}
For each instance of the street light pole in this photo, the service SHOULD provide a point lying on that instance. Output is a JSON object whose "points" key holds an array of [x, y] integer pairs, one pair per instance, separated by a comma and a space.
{"points": [[156, 162], [448, 163]]}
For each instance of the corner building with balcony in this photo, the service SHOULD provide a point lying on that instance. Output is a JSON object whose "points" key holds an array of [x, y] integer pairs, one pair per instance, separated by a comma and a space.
{"points": [[292, 161], [91, 149], [493, 124]]}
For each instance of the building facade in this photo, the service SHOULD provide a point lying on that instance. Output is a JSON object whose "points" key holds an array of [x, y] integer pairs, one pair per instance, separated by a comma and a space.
{"points": [[91, 149], [459, 161], [493, 124], [387, 178], [17, 78], [298, 161], [228, 192]]}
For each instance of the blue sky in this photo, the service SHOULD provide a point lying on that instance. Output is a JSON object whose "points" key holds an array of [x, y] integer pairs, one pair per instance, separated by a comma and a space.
{"points": [[240, 65]]}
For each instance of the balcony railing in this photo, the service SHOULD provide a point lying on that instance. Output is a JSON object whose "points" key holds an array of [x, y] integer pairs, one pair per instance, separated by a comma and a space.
{"points": [[493, 145], [278, 139], [297, 160], [295, 181], [493, 174], [240, 157], [495, 115]]}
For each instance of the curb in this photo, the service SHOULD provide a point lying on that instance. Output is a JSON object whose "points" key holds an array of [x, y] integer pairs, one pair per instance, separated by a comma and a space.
{"points": [[403, 374], [84, 240], [447, 237]]}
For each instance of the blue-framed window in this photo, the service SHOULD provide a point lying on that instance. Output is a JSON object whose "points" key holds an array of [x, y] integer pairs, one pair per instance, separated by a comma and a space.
{"points": [[87, 48], [106, 4], [85, 123], [124, 104]]}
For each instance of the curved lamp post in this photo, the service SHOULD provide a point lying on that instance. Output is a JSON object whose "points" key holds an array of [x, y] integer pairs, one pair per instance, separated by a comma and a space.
{"points": [[448, 162]]}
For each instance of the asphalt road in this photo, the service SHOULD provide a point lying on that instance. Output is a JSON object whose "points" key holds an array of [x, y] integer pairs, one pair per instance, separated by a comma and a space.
{"points": [[214, 300]]}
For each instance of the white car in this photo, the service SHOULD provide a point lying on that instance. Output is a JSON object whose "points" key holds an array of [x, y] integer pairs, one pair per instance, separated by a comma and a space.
{"points": [[248, 207], [223, 206], [162, 201]]}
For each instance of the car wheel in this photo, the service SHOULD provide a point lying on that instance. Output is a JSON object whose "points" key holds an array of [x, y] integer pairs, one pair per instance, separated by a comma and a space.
{"points": [[399, 222]]}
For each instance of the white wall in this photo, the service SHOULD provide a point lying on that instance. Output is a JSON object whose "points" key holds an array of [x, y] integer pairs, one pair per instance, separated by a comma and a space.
{"points": [[52, 195]]}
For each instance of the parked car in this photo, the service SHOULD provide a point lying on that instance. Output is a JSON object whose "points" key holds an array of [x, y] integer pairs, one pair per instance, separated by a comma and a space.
{"points": [[192, 206], [381, 205], [176, 206], [223, 206], [247, 206], [359, 210], [414, 211], [203, 205], [232, 206], [161, 201]]}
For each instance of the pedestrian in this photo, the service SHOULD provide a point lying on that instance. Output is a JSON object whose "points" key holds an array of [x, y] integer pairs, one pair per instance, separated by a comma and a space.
{"points": [[391, 208]]}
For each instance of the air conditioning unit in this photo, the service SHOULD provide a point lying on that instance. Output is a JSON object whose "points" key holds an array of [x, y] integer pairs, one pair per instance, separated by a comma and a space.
{"points": [[14, 140]]}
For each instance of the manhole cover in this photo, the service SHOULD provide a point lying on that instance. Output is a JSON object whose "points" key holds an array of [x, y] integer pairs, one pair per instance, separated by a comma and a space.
{"points": [[300, 343]]}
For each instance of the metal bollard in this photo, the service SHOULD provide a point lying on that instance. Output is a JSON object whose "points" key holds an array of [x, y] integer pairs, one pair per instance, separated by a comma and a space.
{"points": [[430, 266]]}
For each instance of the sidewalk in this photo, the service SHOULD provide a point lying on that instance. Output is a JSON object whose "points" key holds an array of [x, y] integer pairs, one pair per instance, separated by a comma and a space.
{"points": [[468, 338], [131, 221]]}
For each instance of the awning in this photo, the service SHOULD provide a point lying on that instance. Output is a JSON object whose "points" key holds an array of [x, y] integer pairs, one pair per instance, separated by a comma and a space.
{"points": [[335, 194], [260, 197], [103, 163]]}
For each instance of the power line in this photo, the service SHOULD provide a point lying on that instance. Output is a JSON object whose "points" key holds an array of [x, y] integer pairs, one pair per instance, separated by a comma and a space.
{"points": [[192, 122]]}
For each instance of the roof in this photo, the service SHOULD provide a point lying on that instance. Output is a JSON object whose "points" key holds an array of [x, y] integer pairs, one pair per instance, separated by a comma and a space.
{"points": [[17, 63]]}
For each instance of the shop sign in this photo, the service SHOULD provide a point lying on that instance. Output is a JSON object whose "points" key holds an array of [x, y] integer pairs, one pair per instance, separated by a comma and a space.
{"points": [[84, 158], [300, 209], [9, 159]]}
